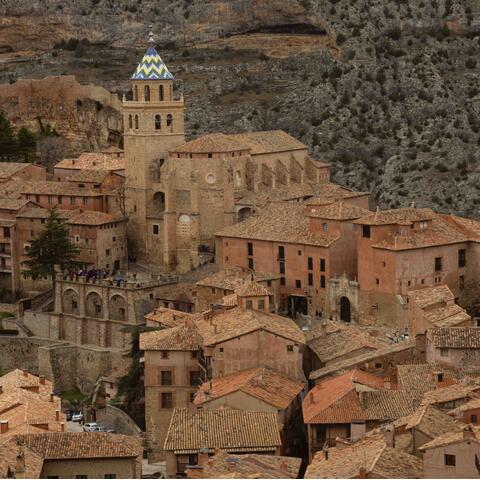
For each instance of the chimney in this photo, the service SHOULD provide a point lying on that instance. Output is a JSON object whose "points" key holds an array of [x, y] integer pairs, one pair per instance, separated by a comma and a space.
{"points": [[25, 373], [41, 379], [57, 415], [203, 456], [390, 436], [362, 473], [62, 426], [3, 426], [52, 396], [323, 329], [284, 466]]}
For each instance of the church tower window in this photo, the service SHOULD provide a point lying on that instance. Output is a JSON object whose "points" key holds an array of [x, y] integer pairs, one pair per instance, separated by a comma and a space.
{"points": [[130, 122], [158, 122], [135, 93], [170, 121], [146, 93], [136, 122], [160, 93]]}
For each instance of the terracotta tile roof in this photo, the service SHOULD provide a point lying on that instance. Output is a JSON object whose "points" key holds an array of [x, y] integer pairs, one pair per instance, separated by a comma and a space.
{"points": [[233, 278], [17, 378], [362, 359], [294, 191], [73, 445], [57, 188], [223, 465], [428, 296], [231, 430], [94, 218], [466, 434], [12, 188], [252, 289], [14, 204], [343, 341], [7, 169], [93, 161], [340, 210], [450, 316], [211, 143], [183, 337], [430, 421], [262, 383], [457, 391], [269, 141], [468, 227], [386, 404], [335, 400], [279, 222], [168, 317], [39, 212], [176, 292], [455, 337], [88, 176], [421, 378], [237, 322], [371, 454], [326, 193], [397, 216], [230, 300]]}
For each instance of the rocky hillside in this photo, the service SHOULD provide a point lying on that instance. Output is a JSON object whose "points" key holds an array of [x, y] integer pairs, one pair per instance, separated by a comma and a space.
{"points": [[386, 90]]}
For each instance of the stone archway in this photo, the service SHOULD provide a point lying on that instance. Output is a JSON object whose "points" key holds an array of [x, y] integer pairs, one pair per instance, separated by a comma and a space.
{"points": [[94, 305], [345, 310], [70, 301], [243, 214]]}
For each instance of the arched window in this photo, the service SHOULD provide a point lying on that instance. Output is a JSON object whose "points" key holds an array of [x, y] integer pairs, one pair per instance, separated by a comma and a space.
{"points": [[135, 93], [158, 122], [136, 122], [170, 121], [130, 123], [160, 93], [146, 93]]}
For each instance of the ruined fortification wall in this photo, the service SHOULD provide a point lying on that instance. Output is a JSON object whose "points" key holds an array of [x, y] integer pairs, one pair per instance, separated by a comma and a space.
{"points": [[88, 116]]}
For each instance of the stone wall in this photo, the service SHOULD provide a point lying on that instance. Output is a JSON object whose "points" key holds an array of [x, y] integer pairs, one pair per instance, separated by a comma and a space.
{"points": [[117, 419]]}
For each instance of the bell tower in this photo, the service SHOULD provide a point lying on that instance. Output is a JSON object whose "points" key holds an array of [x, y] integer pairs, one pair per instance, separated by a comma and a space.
{"points": [[153, 125]]}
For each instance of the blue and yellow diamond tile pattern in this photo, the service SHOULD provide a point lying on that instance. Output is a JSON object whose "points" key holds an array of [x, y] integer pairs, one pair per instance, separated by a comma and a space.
{"points": [[152, 67]]}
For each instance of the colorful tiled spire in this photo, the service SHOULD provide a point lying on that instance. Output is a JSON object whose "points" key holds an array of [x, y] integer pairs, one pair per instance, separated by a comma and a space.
{"points": [[152, 67]]}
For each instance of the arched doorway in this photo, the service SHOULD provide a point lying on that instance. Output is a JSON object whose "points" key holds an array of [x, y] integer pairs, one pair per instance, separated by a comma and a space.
{"points": [[345, 310]]}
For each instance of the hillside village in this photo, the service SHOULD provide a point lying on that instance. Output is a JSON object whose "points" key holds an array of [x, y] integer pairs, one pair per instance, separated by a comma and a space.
{"points": [[225, 309]]}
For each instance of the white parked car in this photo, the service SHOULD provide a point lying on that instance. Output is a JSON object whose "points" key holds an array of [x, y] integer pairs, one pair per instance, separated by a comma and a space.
{"points": [[77, 417], [90, 427]]}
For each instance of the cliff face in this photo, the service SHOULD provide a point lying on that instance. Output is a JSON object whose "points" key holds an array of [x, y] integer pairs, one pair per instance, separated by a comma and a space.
{"points": [[386, 90]]}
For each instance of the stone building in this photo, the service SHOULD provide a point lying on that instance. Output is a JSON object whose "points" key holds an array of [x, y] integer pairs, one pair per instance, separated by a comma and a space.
{"points": [[71, 455], [179, 194], [454, 454], [432, 307], [101, 180], [454, 346], [96, 311], [306, 245], [193, 436], [21, 171], [410, 248]]}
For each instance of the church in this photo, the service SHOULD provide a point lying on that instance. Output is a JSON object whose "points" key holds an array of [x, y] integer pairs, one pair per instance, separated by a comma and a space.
{"points": [[179, 194]]}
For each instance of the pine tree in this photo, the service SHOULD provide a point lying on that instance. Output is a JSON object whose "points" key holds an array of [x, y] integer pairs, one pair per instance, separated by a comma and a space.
{"points": [[51, 248], [7, 139], [27, 144]]}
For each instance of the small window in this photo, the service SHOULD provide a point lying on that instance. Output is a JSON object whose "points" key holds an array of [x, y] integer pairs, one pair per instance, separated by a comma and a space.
{"points": [[261, 304], [249, 248], [444, 352], [377, 281], [384, 264], [50, 199], [195, 378], [77, 238], [250, 263], [310, 279], [450, 460], [166, 400], [322, 264], [194, 354], [221, 349], [158, 122], [310, 263], [107, 252], [366, 231], [281, 252], [289, 348], [249, 305], [299, 252], [85, 201], [164, 354], [282, 267], [282, 281], [72, 200], [473, 419], [298, 284], [462, 258], [136, 122], [169, 120], [322, 281], [155, 229], [160, 93], [438, 264], [461, 282], [325, 227], [166, 377]]}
